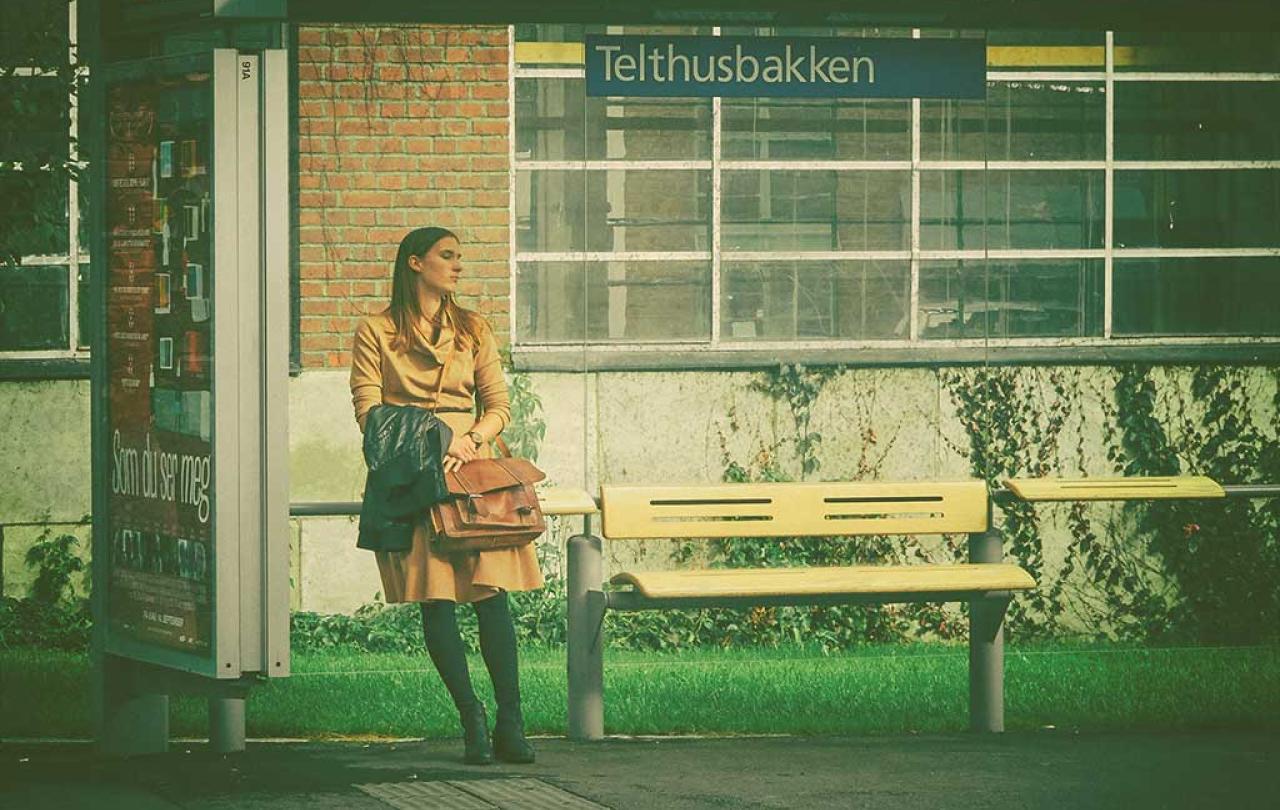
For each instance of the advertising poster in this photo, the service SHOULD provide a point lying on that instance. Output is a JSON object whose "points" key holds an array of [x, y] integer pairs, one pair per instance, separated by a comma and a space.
{"points": [[160, 402]]}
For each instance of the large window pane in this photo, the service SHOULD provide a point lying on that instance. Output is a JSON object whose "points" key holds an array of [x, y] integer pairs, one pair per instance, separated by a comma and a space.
{"points": [[34, 32], [33, 307], [816, 210], [811, 300], [816, 129], [556, 121], [615, 209], [35, 206], [1197, 51], [1018, 121], [33, 119], [1197, 208], [1022, 210], [1230, 295], [1197, 120], [566, 302], [83, 314], [1025, 298]]}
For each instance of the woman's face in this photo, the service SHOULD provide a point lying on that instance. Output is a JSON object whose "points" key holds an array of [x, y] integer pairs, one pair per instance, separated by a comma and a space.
{"points": [[439, 268]]}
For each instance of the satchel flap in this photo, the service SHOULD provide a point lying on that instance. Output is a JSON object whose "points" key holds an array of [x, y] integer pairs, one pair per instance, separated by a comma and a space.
{"points": [[487, 474]]}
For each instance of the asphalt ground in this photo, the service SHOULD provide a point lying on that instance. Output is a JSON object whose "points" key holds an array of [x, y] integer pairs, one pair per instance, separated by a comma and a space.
{"points": [[1044, 769]]}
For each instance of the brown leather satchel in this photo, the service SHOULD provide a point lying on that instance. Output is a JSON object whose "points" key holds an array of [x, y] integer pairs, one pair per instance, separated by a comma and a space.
{"points": [[491, 505], [491, 501]]}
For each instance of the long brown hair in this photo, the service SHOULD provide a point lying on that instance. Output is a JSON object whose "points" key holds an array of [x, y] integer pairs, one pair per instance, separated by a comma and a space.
{"points": [[404, 309]]}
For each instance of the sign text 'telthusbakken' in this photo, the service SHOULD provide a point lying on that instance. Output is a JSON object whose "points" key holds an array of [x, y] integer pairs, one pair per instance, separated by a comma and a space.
{"points": [[785, 66]]}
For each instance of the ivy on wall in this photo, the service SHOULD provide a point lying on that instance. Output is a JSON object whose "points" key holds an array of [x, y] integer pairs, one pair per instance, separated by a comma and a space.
{"points": [[1223, 556], [1205, 571], [1188, 570]]}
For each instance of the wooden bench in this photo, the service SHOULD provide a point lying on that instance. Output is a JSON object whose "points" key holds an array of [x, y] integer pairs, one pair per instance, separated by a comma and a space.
{"points": [[780, 510]]}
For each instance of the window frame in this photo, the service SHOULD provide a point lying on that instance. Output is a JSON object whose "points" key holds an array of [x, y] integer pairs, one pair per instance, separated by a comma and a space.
{"points": [[718, 352], [74, 357]]}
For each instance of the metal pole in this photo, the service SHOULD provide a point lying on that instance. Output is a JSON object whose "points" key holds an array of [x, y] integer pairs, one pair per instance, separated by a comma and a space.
{"points": [[585, 642], [1251, 490], [986, 642], [226, 724]]}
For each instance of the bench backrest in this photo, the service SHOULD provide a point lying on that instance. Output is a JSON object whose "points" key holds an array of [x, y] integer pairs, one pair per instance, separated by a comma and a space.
{"points": [[793, 509]]}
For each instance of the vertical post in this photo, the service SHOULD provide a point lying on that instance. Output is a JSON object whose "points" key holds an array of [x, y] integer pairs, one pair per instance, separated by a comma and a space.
{"points": [[226, 724], [986, 641], [585, 642]]}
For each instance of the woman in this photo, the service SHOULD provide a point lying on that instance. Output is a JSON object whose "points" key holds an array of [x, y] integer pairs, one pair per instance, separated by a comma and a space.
{"points": [[399, 358]]}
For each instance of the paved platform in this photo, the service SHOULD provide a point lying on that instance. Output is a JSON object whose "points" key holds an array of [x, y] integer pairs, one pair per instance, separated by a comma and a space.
{"points": [[1047, 769]]}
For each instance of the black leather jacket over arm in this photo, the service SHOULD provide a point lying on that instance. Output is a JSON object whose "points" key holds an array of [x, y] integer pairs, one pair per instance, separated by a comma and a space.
{"points": [[403, 447]]}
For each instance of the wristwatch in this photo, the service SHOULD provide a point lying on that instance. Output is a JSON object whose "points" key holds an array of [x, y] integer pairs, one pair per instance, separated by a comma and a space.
{"points": [[476, 438]]}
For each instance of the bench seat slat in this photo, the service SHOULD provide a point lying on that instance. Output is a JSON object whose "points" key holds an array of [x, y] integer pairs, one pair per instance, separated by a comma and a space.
{"points": [[566, 501], [1114, 489], [851, 580]]}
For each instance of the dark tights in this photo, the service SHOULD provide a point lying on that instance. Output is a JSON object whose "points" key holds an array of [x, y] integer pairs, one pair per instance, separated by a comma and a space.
{"points": [[497, 646]]}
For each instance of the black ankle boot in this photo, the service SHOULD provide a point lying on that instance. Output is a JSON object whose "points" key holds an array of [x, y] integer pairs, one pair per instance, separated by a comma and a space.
{"points": [[509, 743], [475, 736]]}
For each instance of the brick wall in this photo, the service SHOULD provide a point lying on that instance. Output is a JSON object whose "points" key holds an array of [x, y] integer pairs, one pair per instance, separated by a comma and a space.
{"points": [[398, 127]]}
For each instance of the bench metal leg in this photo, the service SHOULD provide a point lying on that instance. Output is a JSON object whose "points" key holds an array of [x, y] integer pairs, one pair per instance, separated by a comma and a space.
{"points": [[585, 638], [986, 644], [986, 664]]}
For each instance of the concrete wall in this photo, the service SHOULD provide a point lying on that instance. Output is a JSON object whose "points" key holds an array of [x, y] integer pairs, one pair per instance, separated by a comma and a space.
{"points": [[44, 455], [671, 427]]}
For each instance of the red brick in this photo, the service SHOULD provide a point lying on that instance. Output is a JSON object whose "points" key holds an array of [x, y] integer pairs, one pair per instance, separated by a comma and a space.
{"points": [[369, 199], [492, 198], [320, 341], [489, 126], [424, 198], [344, 109], [488, 91]]}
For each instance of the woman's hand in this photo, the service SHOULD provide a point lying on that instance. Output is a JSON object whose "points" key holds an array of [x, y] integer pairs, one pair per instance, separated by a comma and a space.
{"points": [[461, 450]]}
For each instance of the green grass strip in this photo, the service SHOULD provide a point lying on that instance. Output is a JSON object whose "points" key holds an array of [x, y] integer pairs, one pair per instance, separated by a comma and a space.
{"points": [[909, 688]]}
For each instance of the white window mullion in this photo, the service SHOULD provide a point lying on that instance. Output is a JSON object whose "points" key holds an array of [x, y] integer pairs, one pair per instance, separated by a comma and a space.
{"points": [[1046, 76], [1193, 165], [620, 256], [1190, 77], [913, 315], [73, 193], [602, 165], [1109, 189], [717, 197], [511, 184], [527, 72]]}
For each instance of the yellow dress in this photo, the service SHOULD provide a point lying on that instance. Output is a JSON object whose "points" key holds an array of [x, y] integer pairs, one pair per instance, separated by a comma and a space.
{"points": [[380, 374]]}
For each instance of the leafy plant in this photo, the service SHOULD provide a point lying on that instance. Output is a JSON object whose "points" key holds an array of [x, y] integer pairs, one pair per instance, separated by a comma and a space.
{"points": [[52, 617], [528, 425]]}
